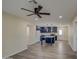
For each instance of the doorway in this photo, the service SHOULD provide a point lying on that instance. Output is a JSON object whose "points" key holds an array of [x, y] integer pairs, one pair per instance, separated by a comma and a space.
{"points": [[63, 33]]}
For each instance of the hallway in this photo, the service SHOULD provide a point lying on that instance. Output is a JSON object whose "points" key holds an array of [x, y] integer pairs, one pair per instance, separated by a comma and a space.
{"points": [[59, 50]]}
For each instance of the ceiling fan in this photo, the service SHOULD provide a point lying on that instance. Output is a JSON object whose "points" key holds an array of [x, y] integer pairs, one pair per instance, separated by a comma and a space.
{"points": [[36, 10]]}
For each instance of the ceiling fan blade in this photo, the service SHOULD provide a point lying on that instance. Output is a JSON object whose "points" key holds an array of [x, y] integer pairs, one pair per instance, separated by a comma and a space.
{"points": [[39, 16], [34, 1], [30, 14], [26, 10], [44, 13], [39, 7]]}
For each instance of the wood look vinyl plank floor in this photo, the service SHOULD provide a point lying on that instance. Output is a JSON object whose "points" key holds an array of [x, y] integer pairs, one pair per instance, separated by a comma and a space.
{"points": [[59, 50]]}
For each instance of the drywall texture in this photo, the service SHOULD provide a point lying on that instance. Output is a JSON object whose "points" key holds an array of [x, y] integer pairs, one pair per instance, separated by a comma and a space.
{"points": [[15, 35], [73, 34]]}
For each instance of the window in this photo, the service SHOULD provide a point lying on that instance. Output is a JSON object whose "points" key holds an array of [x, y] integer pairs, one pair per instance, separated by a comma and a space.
{"points": [[60, 32]]}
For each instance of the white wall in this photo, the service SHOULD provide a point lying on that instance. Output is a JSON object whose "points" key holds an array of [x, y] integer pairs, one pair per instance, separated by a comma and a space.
{"points": [[15, 34], [73, 34], [33, 35]]}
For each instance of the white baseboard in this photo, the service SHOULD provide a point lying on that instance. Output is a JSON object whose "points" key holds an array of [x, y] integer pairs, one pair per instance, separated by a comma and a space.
{"points": [[72, 47], [31, 43], [8, 56]]}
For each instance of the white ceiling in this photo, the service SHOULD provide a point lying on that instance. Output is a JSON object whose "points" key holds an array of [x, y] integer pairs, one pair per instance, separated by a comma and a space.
{"points": [[65, 8]]}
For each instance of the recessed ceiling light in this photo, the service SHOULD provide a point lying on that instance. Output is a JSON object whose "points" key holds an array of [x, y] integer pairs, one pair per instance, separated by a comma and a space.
{"points": [[36, 18], [60, 17]]}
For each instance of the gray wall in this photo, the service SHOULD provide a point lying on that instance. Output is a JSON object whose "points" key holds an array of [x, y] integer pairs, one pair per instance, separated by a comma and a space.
{"points": [[15, 38], [73, 34]]}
